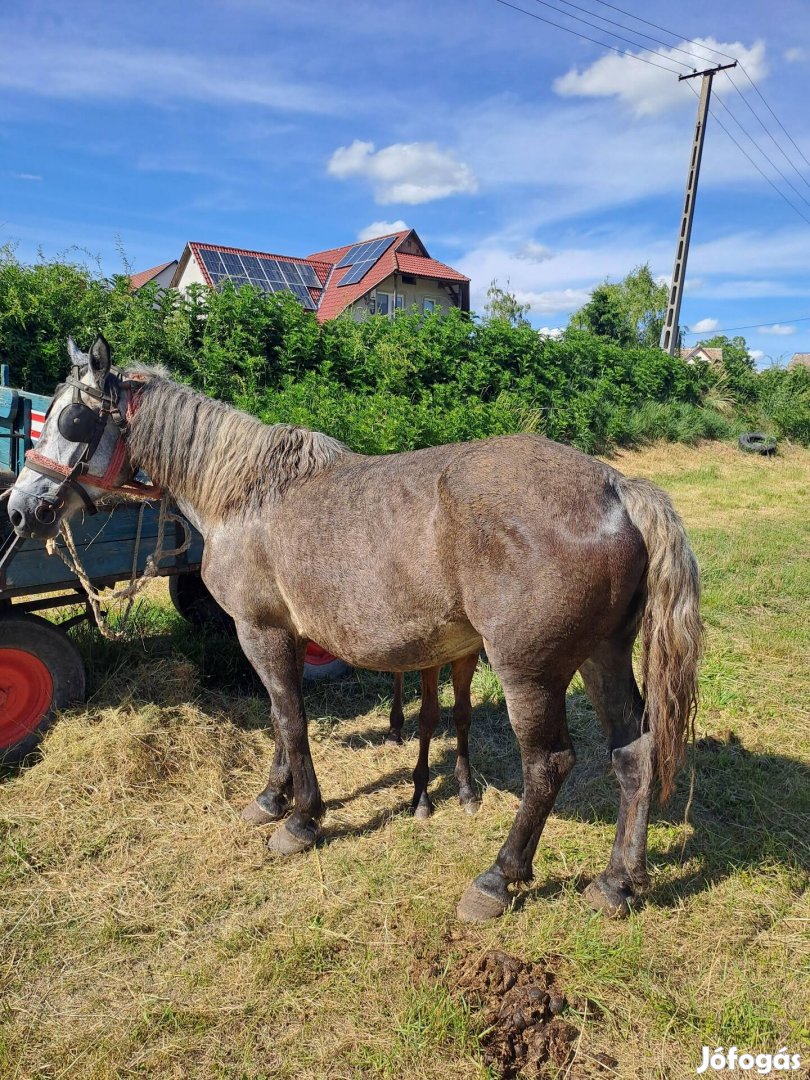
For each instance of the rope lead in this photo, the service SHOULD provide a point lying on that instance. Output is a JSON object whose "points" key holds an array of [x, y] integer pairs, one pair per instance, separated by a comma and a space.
{"points": [[70, 557]]}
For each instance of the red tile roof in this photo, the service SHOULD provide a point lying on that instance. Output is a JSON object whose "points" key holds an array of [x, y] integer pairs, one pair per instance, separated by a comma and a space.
{"points": [[333, 298], [430, 268], [334, 255], [141, 278]]}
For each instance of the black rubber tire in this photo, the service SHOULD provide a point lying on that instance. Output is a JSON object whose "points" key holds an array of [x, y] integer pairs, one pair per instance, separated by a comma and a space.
{"points": [[7, 479], [52, 647], [757, 442], [195, 603]]}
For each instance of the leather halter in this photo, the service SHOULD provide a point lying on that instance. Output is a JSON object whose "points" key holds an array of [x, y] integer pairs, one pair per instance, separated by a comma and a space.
{"points": [[69, 475]]}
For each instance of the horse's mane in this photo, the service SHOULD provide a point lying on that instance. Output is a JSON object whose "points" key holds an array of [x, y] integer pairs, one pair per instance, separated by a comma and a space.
{"points": [[221, 460]]}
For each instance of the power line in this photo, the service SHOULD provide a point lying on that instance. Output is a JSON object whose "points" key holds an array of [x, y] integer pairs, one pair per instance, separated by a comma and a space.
{"points": [[672, 71], [775, 167], [613, 33], [765, 176], [576, 33], [776, 118], [638, 33], [663, 29], [750, 326], [719, 52]]}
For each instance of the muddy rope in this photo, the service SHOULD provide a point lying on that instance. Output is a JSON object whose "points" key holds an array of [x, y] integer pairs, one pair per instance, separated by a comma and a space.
{"points": [[70, 557]]}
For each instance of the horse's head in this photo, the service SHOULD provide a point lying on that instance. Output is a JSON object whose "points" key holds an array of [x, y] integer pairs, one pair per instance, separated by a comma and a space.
{"points": [[81, 453]]}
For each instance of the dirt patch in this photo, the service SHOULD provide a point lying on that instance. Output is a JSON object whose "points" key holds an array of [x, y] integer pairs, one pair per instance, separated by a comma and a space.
{"points": [[521, 1005]]}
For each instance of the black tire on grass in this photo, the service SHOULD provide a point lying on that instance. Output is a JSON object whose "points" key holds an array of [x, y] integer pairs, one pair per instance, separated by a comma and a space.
{"points": [[756, 442]]}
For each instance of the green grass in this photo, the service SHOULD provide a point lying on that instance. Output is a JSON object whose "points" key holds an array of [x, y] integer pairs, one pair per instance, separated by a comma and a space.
{"points": [[146, 932]]}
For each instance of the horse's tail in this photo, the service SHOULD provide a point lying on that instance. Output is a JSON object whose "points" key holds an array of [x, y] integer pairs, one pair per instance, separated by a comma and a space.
{"points": [[671, 627]]}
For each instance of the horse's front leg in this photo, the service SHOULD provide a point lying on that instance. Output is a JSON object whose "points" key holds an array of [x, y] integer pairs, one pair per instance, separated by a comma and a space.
{"points": [[277, 656], [537, 714], [273, 803]]}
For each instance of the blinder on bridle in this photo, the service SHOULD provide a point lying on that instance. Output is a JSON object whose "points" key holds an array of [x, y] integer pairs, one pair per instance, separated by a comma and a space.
{"points": [[79, 423], [82, 424]]}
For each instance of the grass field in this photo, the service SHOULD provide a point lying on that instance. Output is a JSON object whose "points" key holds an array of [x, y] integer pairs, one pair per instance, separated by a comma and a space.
{"points": [[147, 932]]}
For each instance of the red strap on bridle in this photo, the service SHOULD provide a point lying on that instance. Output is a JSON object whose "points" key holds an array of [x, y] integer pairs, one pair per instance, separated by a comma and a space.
{"points": [[133, 488]]}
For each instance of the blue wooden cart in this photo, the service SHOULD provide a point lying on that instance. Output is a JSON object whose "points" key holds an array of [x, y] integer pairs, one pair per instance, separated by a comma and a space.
{"points": [[41, 670]]}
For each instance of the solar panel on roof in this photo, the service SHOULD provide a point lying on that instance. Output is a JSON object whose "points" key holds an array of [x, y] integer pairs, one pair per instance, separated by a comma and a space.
{"points": [[357, 273], [265, 273], [309, 276], [368, 252]]}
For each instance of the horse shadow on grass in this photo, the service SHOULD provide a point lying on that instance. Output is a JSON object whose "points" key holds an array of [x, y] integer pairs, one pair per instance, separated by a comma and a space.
{"points": [[749, 808]]}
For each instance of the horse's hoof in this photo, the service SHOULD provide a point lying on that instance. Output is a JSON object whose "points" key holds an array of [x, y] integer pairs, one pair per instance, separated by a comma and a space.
{"points": [[423, 809], [485, 898], [470, 803], [615, 901], [263, 809], [286, 842], [393, 739]]}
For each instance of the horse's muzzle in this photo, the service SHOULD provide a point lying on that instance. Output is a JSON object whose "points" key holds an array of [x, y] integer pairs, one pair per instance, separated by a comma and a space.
{"points": [[33, 517]]}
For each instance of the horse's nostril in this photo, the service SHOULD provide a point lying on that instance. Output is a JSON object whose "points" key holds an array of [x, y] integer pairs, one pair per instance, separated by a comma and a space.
{"points": [[16, 518]]}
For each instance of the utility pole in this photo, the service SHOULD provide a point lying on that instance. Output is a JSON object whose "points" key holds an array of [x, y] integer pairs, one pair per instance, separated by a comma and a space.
{"points": [[669, 334]]}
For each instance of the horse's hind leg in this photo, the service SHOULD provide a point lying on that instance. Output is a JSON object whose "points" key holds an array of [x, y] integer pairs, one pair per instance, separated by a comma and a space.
{"points": [[463, 671], [397, 717], [537, 715], [612, 689], [428, 719]]}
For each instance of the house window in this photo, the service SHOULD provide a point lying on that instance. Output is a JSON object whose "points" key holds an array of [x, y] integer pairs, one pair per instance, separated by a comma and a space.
{"points": [[428, 305], [387, 303]]}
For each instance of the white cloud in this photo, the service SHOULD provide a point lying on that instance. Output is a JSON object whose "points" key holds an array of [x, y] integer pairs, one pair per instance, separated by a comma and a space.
{"points": [[705, 326], [553, 301], [553, 332], [648, 90], [158, 76], [381, 228], [531, 251], [410, 173], [778, 329], [26, 176], [794, 55], [756, 354]]}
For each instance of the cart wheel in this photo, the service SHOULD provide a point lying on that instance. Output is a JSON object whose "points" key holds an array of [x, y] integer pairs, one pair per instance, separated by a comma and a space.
{"points": [[320, 664], [195, 603], [40, 671]]}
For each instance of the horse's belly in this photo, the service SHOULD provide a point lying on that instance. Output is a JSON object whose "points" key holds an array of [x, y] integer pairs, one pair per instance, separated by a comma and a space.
{"points": [[383, 648]]}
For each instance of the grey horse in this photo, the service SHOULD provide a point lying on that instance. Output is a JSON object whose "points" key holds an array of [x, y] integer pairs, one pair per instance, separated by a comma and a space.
{"points": [[551, 560]]}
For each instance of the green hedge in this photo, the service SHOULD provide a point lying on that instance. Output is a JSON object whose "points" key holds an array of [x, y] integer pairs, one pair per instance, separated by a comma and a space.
{"points": [[381, 384]]}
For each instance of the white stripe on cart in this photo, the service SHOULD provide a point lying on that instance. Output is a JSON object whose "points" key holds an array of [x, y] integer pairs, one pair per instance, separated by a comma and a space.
{"points": [[37, 424]]}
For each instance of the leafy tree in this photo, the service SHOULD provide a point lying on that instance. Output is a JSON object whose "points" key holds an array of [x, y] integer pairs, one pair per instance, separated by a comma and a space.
{"points": [[738, 365], [629, 312], [503, 304]]}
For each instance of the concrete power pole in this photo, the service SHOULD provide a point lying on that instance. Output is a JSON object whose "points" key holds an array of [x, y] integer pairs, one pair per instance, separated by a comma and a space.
{"points": [[669, 334]]}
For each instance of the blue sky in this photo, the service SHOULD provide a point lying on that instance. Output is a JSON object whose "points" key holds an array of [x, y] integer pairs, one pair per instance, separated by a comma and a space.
{"points": [[517, 151]]}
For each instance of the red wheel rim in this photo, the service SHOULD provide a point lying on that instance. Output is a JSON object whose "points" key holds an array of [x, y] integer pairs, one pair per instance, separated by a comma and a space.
{"points": [[317, 656], [26, 692]]}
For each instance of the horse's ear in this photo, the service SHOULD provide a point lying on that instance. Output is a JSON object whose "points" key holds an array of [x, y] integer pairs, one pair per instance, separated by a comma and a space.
{"points": [[76, 355], [100, 359]]}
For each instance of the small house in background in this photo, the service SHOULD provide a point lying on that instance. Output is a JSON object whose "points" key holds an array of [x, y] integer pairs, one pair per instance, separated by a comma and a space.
{"points": [[161, 275], [702, 353], [799, 359], [379, 276]]}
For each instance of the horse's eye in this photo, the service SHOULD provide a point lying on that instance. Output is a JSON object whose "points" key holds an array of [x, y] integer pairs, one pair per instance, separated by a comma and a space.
{"points": [[78, 422]]}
